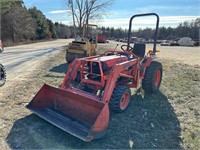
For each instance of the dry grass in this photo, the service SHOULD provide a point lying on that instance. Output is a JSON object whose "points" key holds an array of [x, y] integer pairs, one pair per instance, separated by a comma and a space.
{"points": [[168, 119]]}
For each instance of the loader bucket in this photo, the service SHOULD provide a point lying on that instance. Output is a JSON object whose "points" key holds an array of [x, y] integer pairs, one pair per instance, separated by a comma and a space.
{"points": [[73, 111]]}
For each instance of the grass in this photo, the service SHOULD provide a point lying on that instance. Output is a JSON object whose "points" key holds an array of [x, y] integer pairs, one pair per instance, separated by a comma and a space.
{"points": [[169, 119]]}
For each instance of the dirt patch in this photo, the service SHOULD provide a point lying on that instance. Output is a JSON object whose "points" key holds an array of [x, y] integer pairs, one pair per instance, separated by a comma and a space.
{"points": [[168, 119]]}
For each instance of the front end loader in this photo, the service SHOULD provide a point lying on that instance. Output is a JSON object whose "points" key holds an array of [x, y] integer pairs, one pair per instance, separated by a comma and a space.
{"points": [[95, 85], [86, 45]]}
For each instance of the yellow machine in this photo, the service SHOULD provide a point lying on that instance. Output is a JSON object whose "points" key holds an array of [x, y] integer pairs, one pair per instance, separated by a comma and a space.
{"points": [[85, 45]]}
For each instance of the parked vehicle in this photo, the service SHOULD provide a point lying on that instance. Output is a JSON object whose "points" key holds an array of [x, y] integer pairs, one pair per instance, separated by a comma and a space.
{"points": [[101, 39], [2, 68], [85, 45], [196, 43], [186, 41], [165, 43], [1, 47], [2, 75]]}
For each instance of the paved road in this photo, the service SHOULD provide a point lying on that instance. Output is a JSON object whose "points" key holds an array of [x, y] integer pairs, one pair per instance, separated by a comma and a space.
{"points": [[24, 56]]}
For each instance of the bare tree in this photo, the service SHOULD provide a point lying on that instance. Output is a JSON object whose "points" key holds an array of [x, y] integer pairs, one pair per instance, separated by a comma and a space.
{"points": [[84, 10]]}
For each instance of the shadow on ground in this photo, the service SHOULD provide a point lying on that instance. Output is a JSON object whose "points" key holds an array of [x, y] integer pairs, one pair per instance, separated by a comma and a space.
{"points": [[62, 68], [147, 123]]}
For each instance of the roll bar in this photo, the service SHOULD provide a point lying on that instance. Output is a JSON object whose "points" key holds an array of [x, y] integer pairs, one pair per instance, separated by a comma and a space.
{"points": [[156, 32]]}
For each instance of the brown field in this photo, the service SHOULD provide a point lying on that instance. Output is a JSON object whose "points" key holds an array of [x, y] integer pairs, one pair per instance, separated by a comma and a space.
{"points": [[169, 119]]}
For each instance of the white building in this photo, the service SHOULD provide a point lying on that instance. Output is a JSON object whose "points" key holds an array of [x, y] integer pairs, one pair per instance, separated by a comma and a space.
{"points": [[186, 41]]}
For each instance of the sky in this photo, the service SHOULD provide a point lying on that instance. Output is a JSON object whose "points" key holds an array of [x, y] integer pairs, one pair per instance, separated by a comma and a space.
{"points": [[171, 12]]}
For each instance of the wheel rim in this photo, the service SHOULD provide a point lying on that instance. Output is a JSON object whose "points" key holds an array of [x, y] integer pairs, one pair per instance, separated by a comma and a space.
{"points": [[157, 78], [124, 101]]}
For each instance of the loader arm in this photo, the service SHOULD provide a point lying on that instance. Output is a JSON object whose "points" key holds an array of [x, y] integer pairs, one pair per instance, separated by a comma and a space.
{"points": [[114, 74], [71, 73]]}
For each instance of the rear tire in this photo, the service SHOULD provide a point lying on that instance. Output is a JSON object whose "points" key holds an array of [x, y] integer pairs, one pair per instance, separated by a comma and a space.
{"points": [[153, 77], [120, 99], [2, 75]]}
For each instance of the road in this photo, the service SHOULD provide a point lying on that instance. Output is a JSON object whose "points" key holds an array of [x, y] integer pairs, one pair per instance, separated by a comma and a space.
{"points": [[178, 100], [23, 58]]}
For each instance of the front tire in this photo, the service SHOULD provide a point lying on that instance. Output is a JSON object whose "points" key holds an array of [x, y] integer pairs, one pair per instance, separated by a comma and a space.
{"points": [[120, 99], [2, 75], [153, 77]]}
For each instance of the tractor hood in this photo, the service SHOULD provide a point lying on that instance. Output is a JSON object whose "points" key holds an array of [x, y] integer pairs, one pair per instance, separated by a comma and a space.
{"points": [[111, 60]]}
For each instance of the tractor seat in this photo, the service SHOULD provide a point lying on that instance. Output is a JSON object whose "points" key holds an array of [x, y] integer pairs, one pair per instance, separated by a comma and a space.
{"points": [[139, 49]]}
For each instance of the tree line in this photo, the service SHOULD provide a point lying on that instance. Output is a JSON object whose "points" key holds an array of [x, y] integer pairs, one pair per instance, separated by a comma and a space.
{"points": [[186, 29], [20, 24]]}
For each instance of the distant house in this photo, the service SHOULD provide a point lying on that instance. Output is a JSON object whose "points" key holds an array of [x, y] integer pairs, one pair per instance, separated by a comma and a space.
{"points": [[186, 41]]}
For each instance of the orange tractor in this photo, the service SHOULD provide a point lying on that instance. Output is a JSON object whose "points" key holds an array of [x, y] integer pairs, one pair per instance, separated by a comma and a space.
{"points": [[104, 84]]}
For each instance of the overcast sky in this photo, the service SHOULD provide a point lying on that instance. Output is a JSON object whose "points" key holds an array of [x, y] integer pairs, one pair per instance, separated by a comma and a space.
{"points": [[171, 12]]}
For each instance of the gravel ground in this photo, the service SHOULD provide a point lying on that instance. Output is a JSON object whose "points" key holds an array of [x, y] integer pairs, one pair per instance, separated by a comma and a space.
{"points": [[169, 119]]}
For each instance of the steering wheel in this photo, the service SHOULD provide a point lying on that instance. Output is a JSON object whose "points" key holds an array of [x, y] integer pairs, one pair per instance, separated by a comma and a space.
{"points": [[129, 48]]}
